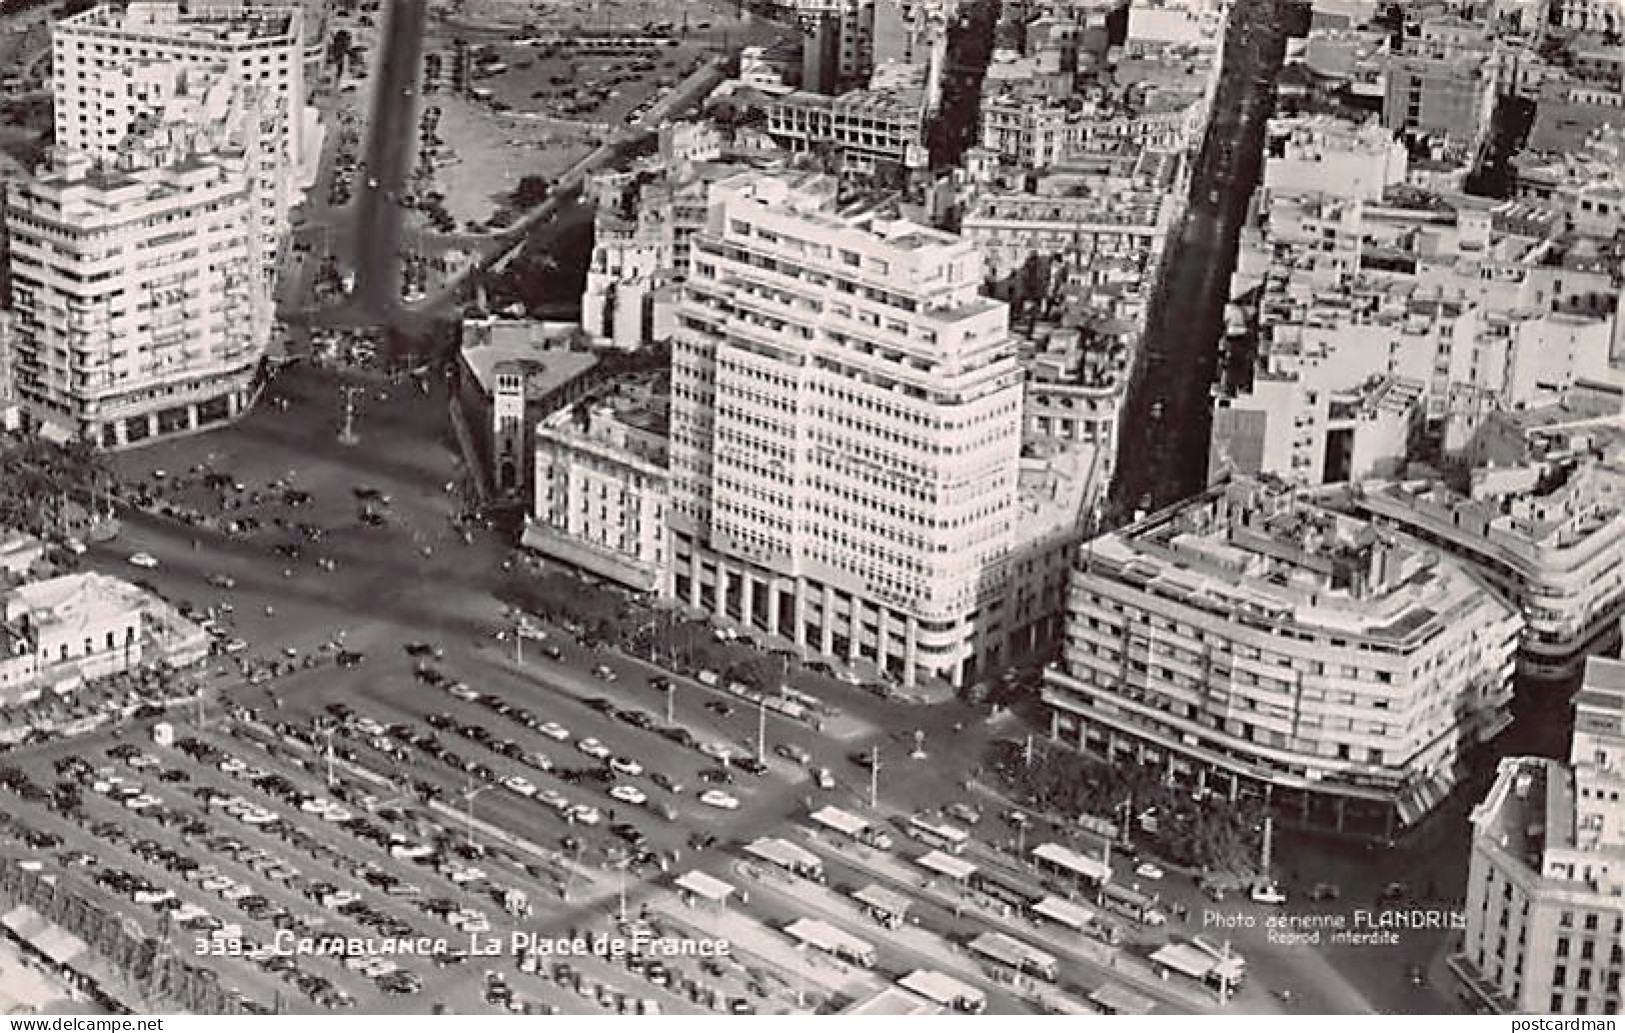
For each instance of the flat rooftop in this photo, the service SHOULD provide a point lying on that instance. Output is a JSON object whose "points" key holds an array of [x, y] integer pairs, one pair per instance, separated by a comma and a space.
{"points": [[541, 351], [224, 23]]}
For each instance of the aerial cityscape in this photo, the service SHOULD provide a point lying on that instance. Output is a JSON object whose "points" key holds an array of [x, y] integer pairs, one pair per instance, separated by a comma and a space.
{"points": [[789, 507]]}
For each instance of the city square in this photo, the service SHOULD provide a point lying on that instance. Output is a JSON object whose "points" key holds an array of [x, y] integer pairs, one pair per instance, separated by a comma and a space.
{"points": [[812, 507]]}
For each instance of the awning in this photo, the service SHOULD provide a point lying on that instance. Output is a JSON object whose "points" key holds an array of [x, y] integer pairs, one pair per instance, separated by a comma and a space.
{"points": [[1072, 861], [883, 900], [946, 864], [53, 942], [705, 886], [1120, 1000], [785, 855], [1065, 912], [1184, 959]]}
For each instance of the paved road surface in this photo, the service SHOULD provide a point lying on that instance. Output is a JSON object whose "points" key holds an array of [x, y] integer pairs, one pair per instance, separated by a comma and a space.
{"points": [[1167, 415], [390, 151]]}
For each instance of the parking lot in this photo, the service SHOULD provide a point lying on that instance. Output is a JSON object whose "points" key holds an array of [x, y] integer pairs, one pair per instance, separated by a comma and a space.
{"points": [[387, 749]]}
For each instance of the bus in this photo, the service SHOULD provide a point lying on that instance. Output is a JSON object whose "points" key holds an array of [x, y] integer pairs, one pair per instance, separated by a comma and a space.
{"points": [[789, 857], [830, 940], [947, 838], [1003, 888], [942, 989], [1132, 904], [1226, 975], [1013, 954]]}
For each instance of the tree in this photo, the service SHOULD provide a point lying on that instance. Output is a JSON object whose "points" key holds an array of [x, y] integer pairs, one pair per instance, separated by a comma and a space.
{"points": [[338, 48], [531, 191]]}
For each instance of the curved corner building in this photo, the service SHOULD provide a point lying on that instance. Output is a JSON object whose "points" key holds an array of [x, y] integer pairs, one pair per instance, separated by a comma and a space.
{"points": [[1251, 643]]}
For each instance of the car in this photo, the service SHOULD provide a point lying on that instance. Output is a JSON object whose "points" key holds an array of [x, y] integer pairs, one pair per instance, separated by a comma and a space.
{"points": [[553, 798], [718, 798], [554, 730], [349, 658], [717, 751], [519, 784], [824, 778], [794, 754], [751, 765], [963, 812], [458, 690], [1267, 893], [583, 814], [1325, 891], [1147, 870], [222, 581], [629, 794], [604, 672], [666, 782], [720, 707], [625, 766], [144, 560], [717, 776], [593, 748]]}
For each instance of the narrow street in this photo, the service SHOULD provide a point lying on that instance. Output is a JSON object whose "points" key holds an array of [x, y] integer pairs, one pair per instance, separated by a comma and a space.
{"points": [[1167, 413]]}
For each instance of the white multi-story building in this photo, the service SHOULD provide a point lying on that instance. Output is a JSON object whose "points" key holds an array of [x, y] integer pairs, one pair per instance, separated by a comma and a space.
{"points": [[846, 432], [603, 488], [1283, 427], [1319, 154], [1251, 643], [258, 47], [140, 308], [1545, 908], [1547, 531]]}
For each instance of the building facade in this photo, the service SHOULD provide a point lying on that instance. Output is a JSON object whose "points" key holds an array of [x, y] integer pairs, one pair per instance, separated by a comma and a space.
{"points": [[139, 305], [1250, 643], [511, 374], [846, 432], [1546, 878], [602, 489]]}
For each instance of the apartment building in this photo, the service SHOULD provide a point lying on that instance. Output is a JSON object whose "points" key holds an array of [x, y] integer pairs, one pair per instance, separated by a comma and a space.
{"points": [[118, 68], [1320, 154], [1546, 880], [139, 305], [872, 129], [1605, 16], [603, 487], [1248, 642], [1443, 82], [1022, 233], [846, 433], [1546, 530], [642, 228], [1282, 427]]}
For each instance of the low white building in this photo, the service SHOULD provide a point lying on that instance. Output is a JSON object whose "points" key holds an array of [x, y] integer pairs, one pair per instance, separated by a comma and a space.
{"points": [[66, 629]]}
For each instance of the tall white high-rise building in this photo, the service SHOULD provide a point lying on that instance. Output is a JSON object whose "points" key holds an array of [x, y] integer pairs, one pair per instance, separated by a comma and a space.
{"points": [[138, 303], [259, 46], [144, 252], [846, 432], [132, 83]]}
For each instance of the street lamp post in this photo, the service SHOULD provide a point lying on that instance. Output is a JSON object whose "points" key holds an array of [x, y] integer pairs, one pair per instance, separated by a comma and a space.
{"points": [[761, 730], [874, 777], [671, 701], [468, 801]]}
